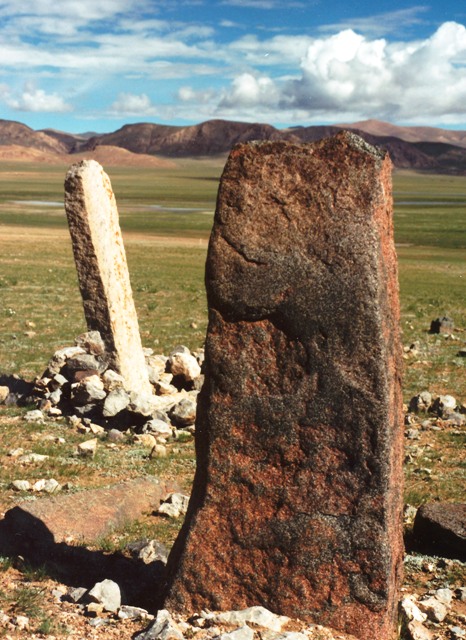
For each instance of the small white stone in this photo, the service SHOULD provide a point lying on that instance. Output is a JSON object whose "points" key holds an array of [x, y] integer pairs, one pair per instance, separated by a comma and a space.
{"points": [[21, 485], [418, 631], [257, 615], [159, 451], [21, 622], [146, 439], [435, 609], [445, 596], [15, 453], [30, 458], [243, 633], [185, 365], [34, 416], [175, 505], [107, 593], [411, 610], [88, 448]]}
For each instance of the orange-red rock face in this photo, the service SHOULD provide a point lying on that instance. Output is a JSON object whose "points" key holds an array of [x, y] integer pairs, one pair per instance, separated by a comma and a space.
{"points": [[297, 496]]}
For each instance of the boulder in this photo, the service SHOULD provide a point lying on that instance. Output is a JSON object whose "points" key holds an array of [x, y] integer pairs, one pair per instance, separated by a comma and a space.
{"points": [[440, 528]]}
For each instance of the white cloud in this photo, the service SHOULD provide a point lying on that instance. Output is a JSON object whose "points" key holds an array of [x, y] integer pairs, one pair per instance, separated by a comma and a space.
{"points": [[396, 21], [350, 76], [37, 100], [188, 94], [248, 90], [133, 105]]}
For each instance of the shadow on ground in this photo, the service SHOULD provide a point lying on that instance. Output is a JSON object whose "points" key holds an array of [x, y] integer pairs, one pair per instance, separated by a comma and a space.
{"points": [[25, 536]]}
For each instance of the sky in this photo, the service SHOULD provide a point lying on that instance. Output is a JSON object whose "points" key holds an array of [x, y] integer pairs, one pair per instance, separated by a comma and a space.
{"points": [[95, 65]]}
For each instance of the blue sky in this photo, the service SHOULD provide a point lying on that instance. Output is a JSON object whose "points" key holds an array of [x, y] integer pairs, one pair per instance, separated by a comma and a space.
{"points": [[94, 65]]}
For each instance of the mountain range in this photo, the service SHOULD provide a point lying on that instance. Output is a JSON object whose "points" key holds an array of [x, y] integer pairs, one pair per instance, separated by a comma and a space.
{"points": [[421, 148]]}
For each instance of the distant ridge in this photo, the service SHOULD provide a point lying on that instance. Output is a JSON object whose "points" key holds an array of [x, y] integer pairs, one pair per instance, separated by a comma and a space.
{"points": [[421, 148], [409, 134]]}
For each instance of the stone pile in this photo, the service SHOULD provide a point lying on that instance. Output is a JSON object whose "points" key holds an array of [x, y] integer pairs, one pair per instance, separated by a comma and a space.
{"points": [[429, 410], [421, 616], [78, 382]]}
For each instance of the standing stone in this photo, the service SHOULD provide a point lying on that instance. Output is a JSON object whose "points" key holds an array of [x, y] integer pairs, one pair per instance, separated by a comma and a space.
{"points": [[102, 270], [296, 504]]}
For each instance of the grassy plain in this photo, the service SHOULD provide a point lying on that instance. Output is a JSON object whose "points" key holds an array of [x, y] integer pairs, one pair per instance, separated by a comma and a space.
{"points": [[166, 216]]}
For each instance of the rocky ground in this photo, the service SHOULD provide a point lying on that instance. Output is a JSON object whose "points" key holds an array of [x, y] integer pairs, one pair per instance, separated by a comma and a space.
{"points": [[106, 587]]}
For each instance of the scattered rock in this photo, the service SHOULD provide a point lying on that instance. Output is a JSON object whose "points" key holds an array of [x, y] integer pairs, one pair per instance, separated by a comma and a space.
{"points": [[32, 458], [243, 633], [442, 325], [257, 615], [445, 596], [21, 485], [113, 380], [126, 612], [159, 451], [75, 594], [107, 593], [411, 610], [34, 416], [443, 404], [153, 551], [163, 628], [158, 428], [91, 342], [46, 485], [174, 506], [435, 610], [4, 393], [185, 365], [421, 402], [183, 414], [117, 400], [21, 622], [88, 448], [418, 631]]}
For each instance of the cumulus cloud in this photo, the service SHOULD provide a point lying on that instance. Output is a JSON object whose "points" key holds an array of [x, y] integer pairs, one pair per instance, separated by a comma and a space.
{"points": [[350, 75], [249, 90], [128, 104], [37, 100], [188, 94]]}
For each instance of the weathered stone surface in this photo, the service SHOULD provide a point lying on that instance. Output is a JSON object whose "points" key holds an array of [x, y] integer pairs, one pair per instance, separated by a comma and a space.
{"points": [[440, 528], [102, 270], [296, 503], [87, 515]]}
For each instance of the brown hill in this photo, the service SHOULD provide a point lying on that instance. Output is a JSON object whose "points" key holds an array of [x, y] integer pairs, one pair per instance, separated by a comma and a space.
{"points": [[15, 133], [109, 156], [422, 148], [69, 141], [409, 134], [19, 153], [214, 137], [217, 137]]}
